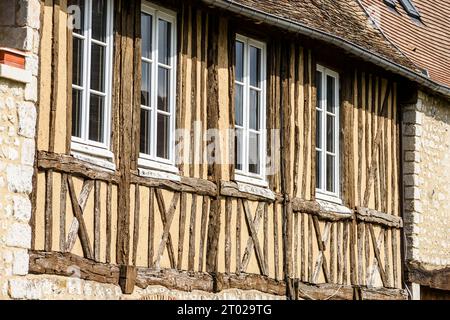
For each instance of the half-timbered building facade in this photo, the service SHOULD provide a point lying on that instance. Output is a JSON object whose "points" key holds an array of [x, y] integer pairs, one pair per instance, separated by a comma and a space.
{"points": [[217, 148]]}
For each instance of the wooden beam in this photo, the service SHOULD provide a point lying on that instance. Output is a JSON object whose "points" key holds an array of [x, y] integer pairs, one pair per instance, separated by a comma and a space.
{"points": [[97, 211], [74, 167], [166, 219], [436, 279], [377, 217], [378, 256], [48, 210], [250, 243], [88, 185], [78, 212]]}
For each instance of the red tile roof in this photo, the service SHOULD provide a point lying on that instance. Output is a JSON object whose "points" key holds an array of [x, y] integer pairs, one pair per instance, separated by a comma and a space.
{"points": [[426, 43], [345, 19]]}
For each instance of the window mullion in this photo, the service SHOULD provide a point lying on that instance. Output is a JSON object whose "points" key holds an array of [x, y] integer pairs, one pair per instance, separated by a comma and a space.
{"points": [[324, 132], [86, 107], [246, 106], [154, 114]]}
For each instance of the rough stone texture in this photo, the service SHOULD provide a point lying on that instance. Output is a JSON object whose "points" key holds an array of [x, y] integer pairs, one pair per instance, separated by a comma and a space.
{"points": [[19, 29], [56, 288], [426, 147]]}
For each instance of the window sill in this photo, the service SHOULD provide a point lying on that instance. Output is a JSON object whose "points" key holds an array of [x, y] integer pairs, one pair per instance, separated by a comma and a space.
{"points": [[256, 190], [15, 74], [157, 174], [328, 197], [250, 181], [333, 207], [157, 166], [99, 157]]}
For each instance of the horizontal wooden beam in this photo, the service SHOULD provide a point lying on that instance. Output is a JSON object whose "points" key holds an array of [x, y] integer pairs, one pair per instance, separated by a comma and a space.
{"points": [[361, 214], [231, 189], [191, 185], [346, 292], [314, 208], [72, 166], [436, 279], [69, 265], [377, 217]]}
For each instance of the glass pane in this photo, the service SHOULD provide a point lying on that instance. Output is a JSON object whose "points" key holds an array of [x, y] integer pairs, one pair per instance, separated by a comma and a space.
{"points": [[239, 105], [76, 113], [98, 68], [255, 66], [319, 170], [146, 29], [330, 173], [239, 61], [254, 110], [238, 145], [77, 67], [319, 89], [253, 153], [146, 84], [145, 131], [99, 14], [319, 129], [163, 89], [162, 138], [96, 118], [330, 133], [78, 11], [164, 38], [331, 104]]}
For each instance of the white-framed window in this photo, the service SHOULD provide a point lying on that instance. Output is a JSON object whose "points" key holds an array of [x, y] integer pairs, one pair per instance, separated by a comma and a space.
{"points": [[250, 111], [327, 135], [158, 91], [92, 78]]}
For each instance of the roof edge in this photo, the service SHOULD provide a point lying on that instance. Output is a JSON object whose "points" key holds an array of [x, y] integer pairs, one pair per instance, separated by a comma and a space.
{"points": [[348, 46]]}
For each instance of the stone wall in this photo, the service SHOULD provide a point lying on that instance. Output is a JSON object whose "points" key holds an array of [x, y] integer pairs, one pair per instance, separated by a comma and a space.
{"points": [[19, 29], [426, 146]]}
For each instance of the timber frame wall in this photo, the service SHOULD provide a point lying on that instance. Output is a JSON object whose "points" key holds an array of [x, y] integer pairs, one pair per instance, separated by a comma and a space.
{"points": [[203, 232]]}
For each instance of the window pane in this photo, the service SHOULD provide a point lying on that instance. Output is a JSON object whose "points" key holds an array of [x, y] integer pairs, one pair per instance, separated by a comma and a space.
{"points": [[78, 20], [163, 89], [146, 29], [319, 170], [319, 129], [253, 153], [331, 103], [319, 89], [77, 66], [99, 14], [96, 118], [255, 66], [254, 115], [146, 84], [162, 138], [239, 61], [238, 145], [76, 113], [330, 173], [164, 38], [98, 68], [145, 131], [239, 105], [330, 133]]}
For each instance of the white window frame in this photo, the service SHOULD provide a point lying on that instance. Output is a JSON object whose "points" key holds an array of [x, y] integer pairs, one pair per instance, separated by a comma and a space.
{"points": [[83, 145], [322, 193], [152, 161], [244, 175]]}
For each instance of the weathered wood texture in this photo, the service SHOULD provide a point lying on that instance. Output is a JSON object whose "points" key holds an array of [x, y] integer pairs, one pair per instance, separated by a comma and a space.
{"points": [[205, 222], [66, 264]]}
